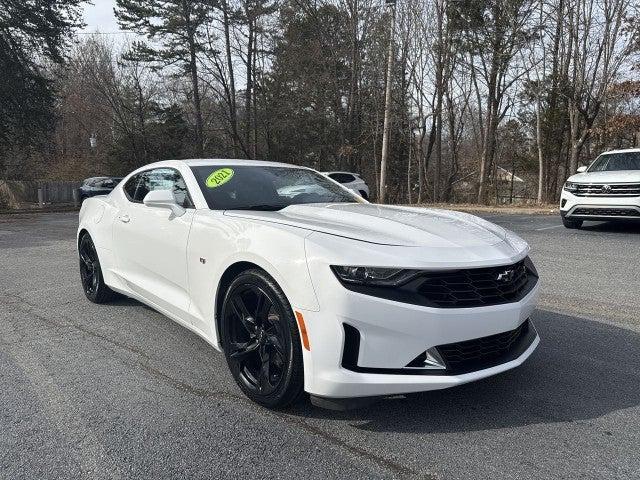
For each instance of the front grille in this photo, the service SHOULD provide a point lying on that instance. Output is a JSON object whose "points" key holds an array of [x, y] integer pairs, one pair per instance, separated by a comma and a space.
{"points": [[485, 352], [475, 287], [607, 212], [462, 288], [607, 189]]}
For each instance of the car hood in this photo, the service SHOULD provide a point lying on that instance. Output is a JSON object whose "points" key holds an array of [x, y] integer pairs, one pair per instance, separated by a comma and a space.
{"points": [[386, 225], [619, 176]]}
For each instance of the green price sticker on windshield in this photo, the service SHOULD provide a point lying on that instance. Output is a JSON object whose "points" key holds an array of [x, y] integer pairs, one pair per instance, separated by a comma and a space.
{"points": [[219, 177]]}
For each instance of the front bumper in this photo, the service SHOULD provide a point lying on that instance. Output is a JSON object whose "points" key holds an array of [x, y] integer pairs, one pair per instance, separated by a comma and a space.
{"points": [[392, 334], [599, 208]]}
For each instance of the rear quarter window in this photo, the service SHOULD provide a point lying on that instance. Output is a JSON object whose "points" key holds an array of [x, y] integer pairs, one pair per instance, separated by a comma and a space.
{"points": [[130, 187]]}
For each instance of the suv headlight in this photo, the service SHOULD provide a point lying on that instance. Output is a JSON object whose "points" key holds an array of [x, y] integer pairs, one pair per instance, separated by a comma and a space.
{"points": [[378, 276], [571, 187]]}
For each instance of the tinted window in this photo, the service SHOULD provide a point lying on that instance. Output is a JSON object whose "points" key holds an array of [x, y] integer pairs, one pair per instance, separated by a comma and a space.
{"points": [[243, 187], [616, 161], [342, 177]]}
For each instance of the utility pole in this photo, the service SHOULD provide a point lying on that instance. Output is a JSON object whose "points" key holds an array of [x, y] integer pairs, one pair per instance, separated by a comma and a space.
{"points": [[382, 189]]}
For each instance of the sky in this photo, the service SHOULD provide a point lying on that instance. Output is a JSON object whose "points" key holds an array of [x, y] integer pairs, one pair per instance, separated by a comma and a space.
{"points": [[99, 17]]}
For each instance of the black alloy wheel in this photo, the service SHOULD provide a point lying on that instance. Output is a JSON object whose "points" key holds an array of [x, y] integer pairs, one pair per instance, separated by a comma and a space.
{"points": [[90, 272], [261, 341]]}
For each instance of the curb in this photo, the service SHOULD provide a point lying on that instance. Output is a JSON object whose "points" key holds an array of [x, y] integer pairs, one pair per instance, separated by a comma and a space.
{"points": [[492, 209], [39, 210]]}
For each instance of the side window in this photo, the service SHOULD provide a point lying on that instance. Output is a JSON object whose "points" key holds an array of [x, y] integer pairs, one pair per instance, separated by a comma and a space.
{"points": [[130, 187], [163, 179], [342, 177], [108, 183]]}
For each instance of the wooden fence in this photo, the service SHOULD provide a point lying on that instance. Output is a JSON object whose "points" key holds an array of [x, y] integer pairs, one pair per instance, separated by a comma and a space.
{"points": [[17, 194]]}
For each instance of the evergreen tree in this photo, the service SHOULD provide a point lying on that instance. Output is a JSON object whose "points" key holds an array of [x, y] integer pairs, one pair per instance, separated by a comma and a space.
{"points": [[32, 33], [176, 33]]}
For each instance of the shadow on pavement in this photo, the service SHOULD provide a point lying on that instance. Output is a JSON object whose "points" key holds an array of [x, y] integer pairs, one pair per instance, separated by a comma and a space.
{"points": [[581, 370], [622, 227]]}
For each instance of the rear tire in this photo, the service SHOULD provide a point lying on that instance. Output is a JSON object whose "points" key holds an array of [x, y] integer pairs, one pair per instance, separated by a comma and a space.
{"points": [[260, 338], [569, 223], [364, 195], [91, 273]]}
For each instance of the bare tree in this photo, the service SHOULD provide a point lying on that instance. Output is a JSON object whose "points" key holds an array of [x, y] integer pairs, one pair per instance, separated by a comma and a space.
{"points": [[599, 44]]}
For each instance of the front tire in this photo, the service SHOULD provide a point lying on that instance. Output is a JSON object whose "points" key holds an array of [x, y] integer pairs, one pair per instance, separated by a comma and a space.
{"points": [[260, 338], [570, 223], [91, 273]]}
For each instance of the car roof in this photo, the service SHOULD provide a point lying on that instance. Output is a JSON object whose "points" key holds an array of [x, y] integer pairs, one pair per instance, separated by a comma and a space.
{"points": [[623, 150], [342, 171], [205, 162]]}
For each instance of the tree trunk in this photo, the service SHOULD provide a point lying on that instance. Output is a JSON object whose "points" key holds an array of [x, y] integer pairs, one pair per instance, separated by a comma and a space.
{"points": [[488, 151], [248, 91], [233, 110], [440, 85], [386, 130], [197, 104], [491, 125], [541, 172]]}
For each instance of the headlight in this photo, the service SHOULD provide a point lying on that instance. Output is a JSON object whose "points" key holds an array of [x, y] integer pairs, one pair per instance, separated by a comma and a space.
{"points": [[380, 276], [571, 187]]}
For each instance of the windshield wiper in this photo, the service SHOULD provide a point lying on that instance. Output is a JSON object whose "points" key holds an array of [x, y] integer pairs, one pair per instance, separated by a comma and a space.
{"points": [[265, 207]]}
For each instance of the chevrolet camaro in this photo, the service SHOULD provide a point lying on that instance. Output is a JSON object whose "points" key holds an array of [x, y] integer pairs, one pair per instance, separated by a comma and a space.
{"points": [[307, 287]]}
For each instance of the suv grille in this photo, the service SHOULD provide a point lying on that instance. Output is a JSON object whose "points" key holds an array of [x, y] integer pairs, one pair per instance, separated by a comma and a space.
{"points": [[464, 288], [606, 212], [607, 190], [485, 352]]}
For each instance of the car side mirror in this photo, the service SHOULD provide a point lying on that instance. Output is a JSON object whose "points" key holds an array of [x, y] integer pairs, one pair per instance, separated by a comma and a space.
{"points": [[163, 199], [581, 169]]}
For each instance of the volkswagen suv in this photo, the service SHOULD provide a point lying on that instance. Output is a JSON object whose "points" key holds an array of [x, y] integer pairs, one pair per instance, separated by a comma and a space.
{"points": [[609, 189]]}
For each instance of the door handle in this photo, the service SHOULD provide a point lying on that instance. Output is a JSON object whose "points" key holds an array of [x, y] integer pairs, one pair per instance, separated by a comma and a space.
{"points": [[124, 218]]}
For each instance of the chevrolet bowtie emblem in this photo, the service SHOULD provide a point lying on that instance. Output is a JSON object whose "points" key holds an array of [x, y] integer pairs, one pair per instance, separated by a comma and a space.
{"points": [[505, 276]]}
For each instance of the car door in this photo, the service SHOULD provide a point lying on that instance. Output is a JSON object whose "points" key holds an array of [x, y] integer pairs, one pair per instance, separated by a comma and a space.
{"points": [[151, 242]]}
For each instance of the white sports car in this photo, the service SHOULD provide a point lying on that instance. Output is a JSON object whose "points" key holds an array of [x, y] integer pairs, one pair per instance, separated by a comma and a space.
{"points": [[318, 291]]}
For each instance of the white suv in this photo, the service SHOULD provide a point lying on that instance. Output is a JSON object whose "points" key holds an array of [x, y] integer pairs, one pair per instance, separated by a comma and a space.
{"points": [[352, 181], [609, 189]]}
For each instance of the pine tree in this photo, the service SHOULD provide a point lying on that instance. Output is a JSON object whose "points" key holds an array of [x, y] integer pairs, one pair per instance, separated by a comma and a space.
{"points": [[32, 34], [175, 30]]}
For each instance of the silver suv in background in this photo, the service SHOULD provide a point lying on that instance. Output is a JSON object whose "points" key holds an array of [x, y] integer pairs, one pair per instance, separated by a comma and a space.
{"points": [[609, 189], [352, 181]]}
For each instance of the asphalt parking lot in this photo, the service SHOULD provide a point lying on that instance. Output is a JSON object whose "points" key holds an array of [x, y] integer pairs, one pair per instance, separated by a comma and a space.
{"points": [[119, 391]]}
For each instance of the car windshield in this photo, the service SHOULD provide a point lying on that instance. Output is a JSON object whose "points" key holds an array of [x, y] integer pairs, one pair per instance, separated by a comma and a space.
{"points": [[616, 161], [243, 187]]}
